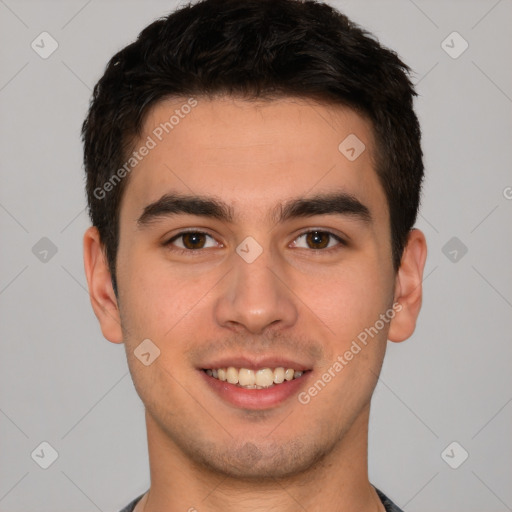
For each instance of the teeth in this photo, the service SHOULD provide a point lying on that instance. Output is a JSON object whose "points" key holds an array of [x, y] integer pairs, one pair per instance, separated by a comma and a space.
{"points": [[246, 377], [264, 377], [232, 375], [250, 379], [278, 375]]}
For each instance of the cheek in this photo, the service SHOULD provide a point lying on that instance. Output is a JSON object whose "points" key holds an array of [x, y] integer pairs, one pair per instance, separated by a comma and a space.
{"points": [[156, 297], [142, 289], [350, 299]]}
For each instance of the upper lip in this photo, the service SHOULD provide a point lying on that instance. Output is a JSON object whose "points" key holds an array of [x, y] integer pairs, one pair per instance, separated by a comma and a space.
{"points": [[256, 363]]}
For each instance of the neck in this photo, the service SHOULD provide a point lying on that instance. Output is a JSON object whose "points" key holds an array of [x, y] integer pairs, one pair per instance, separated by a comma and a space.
{"points": [[338, 481]]}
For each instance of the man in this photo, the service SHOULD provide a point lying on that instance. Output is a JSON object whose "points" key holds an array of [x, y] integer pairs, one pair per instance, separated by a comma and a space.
{"points": [[253, 176]]}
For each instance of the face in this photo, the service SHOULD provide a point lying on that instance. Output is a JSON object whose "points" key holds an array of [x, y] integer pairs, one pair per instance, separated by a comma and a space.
{"points": [[250, 243]]}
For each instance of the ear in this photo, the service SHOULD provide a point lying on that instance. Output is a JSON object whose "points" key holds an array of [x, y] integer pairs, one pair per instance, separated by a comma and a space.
{"points": [[408, 287], [101, 291]]}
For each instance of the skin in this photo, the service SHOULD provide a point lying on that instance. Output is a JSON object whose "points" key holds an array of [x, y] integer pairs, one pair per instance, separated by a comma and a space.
{"points": [[294, 300]]}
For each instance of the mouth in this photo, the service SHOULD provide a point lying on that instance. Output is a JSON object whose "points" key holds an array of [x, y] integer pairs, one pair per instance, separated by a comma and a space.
{"points": [[261, 378], [256, 385]]}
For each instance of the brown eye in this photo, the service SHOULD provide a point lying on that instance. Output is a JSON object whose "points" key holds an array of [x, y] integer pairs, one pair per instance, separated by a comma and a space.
{"points": [[194, 240], [317, 239]]}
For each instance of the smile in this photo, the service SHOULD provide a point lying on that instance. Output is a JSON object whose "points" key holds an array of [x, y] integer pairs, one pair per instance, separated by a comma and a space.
{"points": [[254, 379]]}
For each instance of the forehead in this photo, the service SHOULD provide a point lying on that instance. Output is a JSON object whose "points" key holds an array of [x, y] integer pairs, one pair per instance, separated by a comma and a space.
{"points": [[253, 154]]}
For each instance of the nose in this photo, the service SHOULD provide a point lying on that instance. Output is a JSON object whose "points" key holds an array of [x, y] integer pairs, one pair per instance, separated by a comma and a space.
{"points": [[255, 296]]}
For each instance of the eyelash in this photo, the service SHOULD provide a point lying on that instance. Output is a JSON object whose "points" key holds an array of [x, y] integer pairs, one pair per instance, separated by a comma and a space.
{"points": [[179, 250]]}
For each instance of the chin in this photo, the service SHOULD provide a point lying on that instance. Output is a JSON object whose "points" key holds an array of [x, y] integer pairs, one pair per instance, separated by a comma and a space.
{"points": [[259, 462]]}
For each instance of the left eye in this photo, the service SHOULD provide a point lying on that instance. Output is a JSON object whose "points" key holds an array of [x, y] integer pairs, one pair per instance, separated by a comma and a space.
{"points": [[318, 240]]}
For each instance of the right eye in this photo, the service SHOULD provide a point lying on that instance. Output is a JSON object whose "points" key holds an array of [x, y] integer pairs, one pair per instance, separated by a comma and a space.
{"points": [[187, 241]]}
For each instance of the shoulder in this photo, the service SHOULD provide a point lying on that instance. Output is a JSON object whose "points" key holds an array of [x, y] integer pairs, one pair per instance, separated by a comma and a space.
{"points": [[131, 506], [388, 504]]}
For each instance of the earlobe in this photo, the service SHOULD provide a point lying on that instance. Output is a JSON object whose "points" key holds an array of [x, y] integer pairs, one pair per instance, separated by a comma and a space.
{"points": [[408, 287], [101, 292]]}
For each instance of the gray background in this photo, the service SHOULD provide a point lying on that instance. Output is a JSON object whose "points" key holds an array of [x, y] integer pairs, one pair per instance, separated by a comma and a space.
{"points": [[62, 383]]}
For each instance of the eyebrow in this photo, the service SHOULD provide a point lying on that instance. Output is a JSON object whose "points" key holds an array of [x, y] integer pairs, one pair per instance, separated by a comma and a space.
{"points": [[338, 203]]}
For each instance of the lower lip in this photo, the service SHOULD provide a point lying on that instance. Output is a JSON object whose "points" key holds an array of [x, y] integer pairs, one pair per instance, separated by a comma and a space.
{"points": [[265, 398]]}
